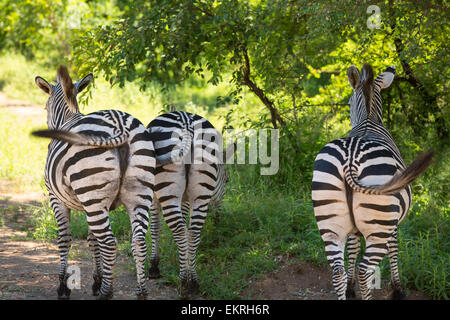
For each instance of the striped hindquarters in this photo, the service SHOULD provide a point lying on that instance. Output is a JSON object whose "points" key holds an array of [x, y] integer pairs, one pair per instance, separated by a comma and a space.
{"points": [[172, 134], [104, 129], [84, 176], [355, 166], [202, 160], [219, 190]]}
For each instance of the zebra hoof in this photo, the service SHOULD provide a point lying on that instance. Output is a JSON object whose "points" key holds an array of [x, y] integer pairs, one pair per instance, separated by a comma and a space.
{"points": [[194, 287], [63, 292], [398, 294], [153, 273], [184, 289], [350, 293], [141, 296], [189, 288], [96, 286], [107, 296], [141, 293]]}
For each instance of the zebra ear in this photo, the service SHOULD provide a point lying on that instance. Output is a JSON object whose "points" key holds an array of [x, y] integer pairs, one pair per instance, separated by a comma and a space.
{"points": [[385, 79], [229, 153], [353, 76], [83, 83], [44, 85]]}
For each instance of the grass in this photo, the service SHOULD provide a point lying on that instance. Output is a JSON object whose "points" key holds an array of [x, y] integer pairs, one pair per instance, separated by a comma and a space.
{"points": [[259, 226], [22, 156]]}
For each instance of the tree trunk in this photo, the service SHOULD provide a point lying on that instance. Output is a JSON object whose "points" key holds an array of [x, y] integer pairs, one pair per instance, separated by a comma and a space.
{"points": [[275, 116]]}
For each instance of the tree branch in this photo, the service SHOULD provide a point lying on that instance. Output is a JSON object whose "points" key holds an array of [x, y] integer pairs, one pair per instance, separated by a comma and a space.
{"points": [[275, 116]]}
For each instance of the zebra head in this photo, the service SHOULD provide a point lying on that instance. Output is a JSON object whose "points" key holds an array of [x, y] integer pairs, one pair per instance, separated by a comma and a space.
{"points": [[62, 101], [365, 102]]}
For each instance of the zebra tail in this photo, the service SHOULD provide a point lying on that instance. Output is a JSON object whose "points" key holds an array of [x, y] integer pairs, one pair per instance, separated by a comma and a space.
{"points": [[398, 182], [177, 153], [81, 139]]}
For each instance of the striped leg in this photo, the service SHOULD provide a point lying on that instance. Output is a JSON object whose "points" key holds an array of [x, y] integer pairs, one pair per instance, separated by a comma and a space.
{"points": [[353, 248], [62, 215], [201, 183], [100, 227], [98, 273], [376, 249], [185, 210], [334, 249], [398, 293], [196, 224], [155, 230], [334, 222], [174, 219], [139, 226], [170, 184]]}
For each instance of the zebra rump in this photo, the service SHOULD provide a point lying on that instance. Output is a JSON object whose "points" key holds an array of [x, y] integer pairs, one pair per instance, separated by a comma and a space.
{"points": [[178, 152], [398, 182]]}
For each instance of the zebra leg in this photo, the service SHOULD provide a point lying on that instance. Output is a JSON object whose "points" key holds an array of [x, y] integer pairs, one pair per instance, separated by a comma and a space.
{"points": [[100, 227], [353, 248], [398, 293], [155, 230], [98, 274], [376, 249], [171, 207], [201, 183], [334, 249], [170, 185], [180, 236], [62, 215], [139, 226], [185, 210], [199, 212]]}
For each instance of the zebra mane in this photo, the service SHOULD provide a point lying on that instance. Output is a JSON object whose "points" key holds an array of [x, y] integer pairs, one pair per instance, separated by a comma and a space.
{"points": [[367, 86], [64, 79]]}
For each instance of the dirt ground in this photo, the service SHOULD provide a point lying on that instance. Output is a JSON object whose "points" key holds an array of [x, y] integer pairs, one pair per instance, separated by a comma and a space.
{"points": [[28, 269], [305, 281]]}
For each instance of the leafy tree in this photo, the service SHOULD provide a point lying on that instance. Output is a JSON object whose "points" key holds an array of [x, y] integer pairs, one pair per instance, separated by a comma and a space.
{"points": [[276, 48], [45, 30]]}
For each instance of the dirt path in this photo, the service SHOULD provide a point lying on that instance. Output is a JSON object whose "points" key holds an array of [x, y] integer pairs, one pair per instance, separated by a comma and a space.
{"points": [[28, 268], [305, 281]]}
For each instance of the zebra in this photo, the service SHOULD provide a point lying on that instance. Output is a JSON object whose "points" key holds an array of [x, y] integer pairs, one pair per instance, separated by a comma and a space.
{"points": [[360, 187], [95, 163], [215, 204], [183, 187]]}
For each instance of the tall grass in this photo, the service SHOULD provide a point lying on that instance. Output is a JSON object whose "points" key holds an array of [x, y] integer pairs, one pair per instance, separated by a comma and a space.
{"points": [[22, 157]]}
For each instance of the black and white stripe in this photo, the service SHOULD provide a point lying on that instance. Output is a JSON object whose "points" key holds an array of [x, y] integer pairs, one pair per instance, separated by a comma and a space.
{"points": [[190, 185], [360, 187], [95, 163]]}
